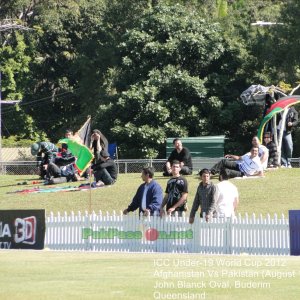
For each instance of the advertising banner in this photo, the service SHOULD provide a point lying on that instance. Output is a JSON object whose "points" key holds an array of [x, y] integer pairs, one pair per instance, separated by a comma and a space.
{"points": [[22, 229]]}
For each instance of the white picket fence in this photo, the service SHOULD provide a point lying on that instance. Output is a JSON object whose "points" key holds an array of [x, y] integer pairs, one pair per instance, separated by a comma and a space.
{"points": [[131, 233]]}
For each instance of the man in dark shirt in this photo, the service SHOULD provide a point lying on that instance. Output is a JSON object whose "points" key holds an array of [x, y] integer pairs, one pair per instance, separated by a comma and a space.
{"points": [[176, 192], [273, 154], [105, 170], [287, 141], [183, 155], [205, 197]]}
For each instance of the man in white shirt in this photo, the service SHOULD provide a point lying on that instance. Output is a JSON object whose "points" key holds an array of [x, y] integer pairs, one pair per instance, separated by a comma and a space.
{"points": [[263, 152], [239, 166], [226, 198]]}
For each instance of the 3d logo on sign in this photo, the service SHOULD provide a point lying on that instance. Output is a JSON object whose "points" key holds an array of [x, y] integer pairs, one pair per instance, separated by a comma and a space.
{"points": [[23, 231]]}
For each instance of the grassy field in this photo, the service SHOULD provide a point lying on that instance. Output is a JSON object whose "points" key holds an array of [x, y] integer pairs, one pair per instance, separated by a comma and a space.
{"points": [[276, 193], [76, 275], [87, 275]]}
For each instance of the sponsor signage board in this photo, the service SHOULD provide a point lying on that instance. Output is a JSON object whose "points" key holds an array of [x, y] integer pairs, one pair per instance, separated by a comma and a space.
{"points": [[22, 229]]}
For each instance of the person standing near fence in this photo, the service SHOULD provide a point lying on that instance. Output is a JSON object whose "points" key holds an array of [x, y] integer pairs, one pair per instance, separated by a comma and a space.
{"points": [[176, 192], [149, 196], [226, 198], [205, 197], [183, 155], [287, 141]]}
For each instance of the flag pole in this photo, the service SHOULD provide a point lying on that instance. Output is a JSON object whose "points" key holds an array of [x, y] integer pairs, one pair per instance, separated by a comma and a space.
{"points": [[90, 198]]}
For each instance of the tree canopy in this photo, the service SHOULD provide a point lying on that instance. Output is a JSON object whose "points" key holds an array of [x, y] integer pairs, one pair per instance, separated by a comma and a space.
{"points": [[144, 70]]}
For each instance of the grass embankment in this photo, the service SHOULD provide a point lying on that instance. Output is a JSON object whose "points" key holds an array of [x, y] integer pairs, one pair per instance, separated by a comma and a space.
{"points": [[85, 275], [277, 193]]}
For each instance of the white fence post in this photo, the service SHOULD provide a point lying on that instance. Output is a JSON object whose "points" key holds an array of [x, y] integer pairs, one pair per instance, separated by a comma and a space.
{"points": [[134, 233]]}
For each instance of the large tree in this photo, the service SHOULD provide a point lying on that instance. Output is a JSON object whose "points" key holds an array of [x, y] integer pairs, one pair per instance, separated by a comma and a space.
{"points": [[74, 50], [14, 68], [160, 81], [285, 53], [245, 62], [146, 69]]}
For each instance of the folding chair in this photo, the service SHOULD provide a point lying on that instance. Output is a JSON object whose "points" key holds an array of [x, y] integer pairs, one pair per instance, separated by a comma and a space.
{"points": [[113, 153]]}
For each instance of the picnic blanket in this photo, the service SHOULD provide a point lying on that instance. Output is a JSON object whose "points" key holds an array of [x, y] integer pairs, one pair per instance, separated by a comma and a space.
{"points": [[249, 177], [82, 187]]}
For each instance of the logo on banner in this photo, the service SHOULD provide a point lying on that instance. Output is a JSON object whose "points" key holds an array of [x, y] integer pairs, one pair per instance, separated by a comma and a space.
{"points": [[22, 229], [25, 230]]}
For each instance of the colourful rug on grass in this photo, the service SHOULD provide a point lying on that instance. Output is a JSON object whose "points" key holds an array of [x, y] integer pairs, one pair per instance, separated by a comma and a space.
{"points": [[82, 187], [47, 190]]}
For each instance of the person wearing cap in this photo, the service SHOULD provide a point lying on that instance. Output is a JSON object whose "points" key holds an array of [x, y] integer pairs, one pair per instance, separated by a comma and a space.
{"points": [[44, 152], [105, 170], [205, 197], [148, 197]]}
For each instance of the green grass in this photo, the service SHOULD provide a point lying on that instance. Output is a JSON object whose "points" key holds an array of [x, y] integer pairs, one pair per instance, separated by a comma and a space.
{"points": [[277, 193], [77, 275], [86, 275]]}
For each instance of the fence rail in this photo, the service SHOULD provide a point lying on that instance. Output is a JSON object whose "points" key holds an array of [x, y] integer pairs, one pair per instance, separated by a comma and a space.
{"points": [[131, 233], [124, 165]]}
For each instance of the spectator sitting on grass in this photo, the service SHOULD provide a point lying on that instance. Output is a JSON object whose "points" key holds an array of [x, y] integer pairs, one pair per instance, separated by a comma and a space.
{"points": [[273, 153], [105, 170], [98, 143], [44, 152], [62, 167], [183, 155], [246, 165], [263, 152]]}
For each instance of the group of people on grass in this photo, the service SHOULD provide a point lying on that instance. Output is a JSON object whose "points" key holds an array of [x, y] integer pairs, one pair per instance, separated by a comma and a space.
{"points": [[57, 165], [214, 200], [220, 200]]}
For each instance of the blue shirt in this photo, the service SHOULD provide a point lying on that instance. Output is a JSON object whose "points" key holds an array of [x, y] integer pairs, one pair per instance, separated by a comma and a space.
{"points": [[154, 198]]}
